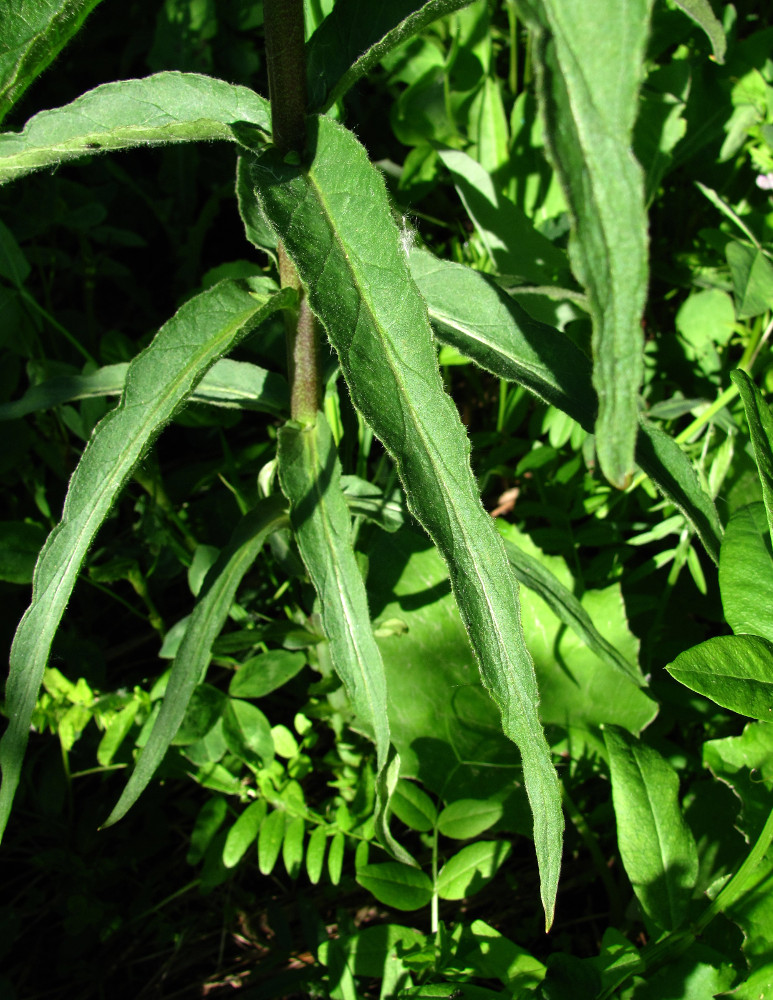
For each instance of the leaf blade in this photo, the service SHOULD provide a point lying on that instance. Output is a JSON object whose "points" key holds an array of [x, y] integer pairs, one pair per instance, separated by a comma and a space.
{"points": [[352, 264]]}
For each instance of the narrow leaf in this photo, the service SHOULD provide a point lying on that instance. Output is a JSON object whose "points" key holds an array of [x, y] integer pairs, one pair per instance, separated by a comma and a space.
{"points": [[735, 671], [235, 384], [760, 421], [589, 59], [356, 36], [158, 381], [167, 107], [243, 833], [310, 475], [31, 37], [204, 625], [656, 845], [270, 837], [700, 11], [336, 225], [315, 853]]}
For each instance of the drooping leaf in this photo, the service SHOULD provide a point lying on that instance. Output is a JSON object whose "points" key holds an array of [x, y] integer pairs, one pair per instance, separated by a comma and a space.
{"points": [[700, 11], [355, 37], [735, 671], [310, 475], [167, 107], [589, 58], [656, 845], [479, 320], [760, 421], [335, 222], [204, 625], [158, 382], [237, 384], [746, 572], [31, 37]]}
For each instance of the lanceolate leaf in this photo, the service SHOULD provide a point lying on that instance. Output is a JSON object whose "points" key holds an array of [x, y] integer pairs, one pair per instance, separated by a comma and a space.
{"points": [[310, 474], [158, 381], [167, 107], [589, 57], [656, 845], [228, 383], [356, 36], [31, 36], [700, 11], [477, 318], [335, 222]]}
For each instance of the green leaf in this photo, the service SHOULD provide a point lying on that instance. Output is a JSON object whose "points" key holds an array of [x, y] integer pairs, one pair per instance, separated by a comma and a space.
{"points": [[247, 732], [752, 275], [746, 572], [13, 264], [270, 837], [243, 833], [700, 11], [20, 543], [589, 60], [468, 818], [471, 869], [735, 671], [484, 324], [315, 853], [209, 820], [157, 383], [335, 857], [656, 845], [413, 806], [515, 246], [167, 107], [310, 475], [31, 37], [471, 313], [336, 225], [204, 707], [117, 731], [355, 37], [263, 674], [292, 846], [204, 625], [760, 421], [400, 886], [236, 384]]}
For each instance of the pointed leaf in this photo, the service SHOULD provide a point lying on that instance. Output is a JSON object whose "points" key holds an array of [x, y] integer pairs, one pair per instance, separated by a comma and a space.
{"points": [[735, 671], [167, 107], [336, 225], [31, 37], [589, 59], [158, 382], [356, 36], [656, 845], [760, 421], [310, 474]]}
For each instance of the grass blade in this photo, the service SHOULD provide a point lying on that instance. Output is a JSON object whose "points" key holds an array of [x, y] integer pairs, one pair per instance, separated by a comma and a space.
{"points": [[31, 37], [310, 475], [335, 222], [157, 383], [167, 107], [204, 626], [589, 64], [356, 36], [476, 317]]}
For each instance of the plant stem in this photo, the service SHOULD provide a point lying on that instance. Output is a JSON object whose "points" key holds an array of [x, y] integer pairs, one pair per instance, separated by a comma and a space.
{"points": [[286, 64]]}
